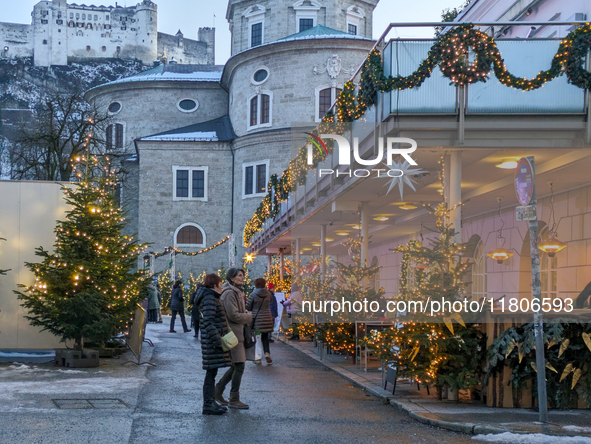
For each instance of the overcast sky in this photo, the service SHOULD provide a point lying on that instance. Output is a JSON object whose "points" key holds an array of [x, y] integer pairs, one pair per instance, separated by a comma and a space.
{"points": [[189, 15]]}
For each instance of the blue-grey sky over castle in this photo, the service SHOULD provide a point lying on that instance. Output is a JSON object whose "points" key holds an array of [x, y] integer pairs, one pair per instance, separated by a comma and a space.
{"points": [[189, 15]]}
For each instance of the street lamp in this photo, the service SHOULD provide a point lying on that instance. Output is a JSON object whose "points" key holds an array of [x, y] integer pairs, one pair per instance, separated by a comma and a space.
{"points": [[551, 246], [500, 254]]}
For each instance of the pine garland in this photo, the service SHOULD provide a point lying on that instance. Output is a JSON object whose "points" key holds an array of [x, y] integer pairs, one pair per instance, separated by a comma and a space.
{"points": [[450, 54]]}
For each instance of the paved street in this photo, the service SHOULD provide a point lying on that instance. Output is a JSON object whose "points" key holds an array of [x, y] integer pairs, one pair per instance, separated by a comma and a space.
{"points": [[295, 399]]}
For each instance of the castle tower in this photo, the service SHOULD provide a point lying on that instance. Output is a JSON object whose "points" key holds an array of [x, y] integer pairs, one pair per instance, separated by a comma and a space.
{"points": [[256, 22], [147, 31], [58, 37], [207, 35]]}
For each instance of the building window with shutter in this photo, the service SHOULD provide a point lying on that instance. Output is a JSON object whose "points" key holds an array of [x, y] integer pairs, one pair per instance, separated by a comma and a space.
{"points": [[189, 182], [255, 177]]}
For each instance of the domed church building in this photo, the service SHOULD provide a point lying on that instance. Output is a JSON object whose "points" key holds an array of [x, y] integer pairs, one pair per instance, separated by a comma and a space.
{"points": [[201, 141]]}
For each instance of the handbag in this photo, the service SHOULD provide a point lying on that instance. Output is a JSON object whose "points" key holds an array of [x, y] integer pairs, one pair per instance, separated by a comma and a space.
{"points": [[229, 340], [249, 337]]}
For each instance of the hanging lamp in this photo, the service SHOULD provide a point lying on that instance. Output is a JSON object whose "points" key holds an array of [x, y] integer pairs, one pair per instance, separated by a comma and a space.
{"points": [[552, 245]]}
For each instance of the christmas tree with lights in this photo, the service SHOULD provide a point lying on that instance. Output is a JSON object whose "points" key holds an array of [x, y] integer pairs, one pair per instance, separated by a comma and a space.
{"points": [[351, 285], [88, 288], [440, 350]]}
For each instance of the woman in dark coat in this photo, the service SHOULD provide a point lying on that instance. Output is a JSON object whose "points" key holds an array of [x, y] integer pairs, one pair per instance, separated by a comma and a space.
{"points": [[213, 326], [195, 310], [259, 303], [177, 305]]}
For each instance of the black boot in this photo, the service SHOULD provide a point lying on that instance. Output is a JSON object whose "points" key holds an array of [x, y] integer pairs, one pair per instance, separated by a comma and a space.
{"points": [[210, 407]]}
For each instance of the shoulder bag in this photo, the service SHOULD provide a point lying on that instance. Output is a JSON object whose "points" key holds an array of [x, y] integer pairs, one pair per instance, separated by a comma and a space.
{"points": [[229, 340], [249, 337]]}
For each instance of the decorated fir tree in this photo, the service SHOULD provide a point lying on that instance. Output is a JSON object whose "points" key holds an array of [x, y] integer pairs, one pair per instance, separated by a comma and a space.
{"points": [[273, 276], [87, 288], [351, 285], [442, 349], [165, 283]]}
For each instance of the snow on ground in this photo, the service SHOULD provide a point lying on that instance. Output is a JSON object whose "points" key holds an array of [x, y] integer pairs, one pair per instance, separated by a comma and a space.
{"points": [[532, 438], [572, 428], [69, 386]]}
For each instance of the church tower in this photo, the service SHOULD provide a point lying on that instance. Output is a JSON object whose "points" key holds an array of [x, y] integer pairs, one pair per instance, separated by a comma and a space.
{"points": [[256, 22]]}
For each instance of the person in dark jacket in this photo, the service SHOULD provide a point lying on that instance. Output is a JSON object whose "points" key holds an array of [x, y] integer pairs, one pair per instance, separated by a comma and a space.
{"points": [[177, 305], [195, 311], [259, 303], [152, 304], [213, 326]]}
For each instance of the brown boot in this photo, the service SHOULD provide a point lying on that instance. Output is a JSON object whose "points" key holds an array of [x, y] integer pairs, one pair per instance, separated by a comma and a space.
{"points": [[235, 402], [219, 395]]}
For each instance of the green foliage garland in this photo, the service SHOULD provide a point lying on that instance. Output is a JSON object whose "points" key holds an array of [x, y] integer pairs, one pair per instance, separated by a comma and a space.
{"points": [[449, 52]]}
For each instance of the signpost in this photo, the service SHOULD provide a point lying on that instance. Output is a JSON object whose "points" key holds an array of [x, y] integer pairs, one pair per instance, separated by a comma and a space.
{"points": [[525, 188]]}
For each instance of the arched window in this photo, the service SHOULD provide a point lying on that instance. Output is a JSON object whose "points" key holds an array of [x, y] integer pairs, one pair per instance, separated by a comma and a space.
{"points": [[479, 277], [259, 110], [325, 97], [114, 136], [189, 235]]}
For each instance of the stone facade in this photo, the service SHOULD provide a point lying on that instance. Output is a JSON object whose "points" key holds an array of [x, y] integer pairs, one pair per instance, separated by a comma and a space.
{"points": [[292, 81], [160, 216], [280, 18], [61, 33], [296, 70]]}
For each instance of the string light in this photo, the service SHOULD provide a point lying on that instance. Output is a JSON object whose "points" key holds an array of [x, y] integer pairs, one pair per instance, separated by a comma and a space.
{"points": [[450, 52]]}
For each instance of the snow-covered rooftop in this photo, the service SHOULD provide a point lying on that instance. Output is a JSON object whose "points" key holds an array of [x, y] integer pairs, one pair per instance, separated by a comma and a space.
{"points": [[216, 130], [175, 73], [197, 136]]}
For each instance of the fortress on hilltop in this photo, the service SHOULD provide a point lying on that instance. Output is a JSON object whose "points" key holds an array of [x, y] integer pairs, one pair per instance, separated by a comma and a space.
{"points": [[60, 33]]}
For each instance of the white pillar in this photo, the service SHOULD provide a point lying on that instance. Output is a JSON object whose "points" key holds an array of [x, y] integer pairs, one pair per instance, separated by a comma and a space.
{"points": [[269, 263], [455, 192], [364, 233], [281, 263], [323, 251]]}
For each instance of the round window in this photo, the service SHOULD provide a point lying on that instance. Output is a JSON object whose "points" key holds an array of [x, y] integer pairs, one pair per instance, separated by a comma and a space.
{"points": [[188, 105], [114, 107], [260, 75]]}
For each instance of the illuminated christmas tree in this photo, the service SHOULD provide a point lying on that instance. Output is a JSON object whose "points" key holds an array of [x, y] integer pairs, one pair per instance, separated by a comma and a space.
{"points": [[442, 349], [88, 287], [273, 276], [351, 285]]}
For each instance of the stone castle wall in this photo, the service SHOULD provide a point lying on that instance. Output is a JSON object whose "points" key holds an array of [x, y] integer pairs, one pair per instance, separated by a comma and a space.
{"points": [[62, 33]]}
